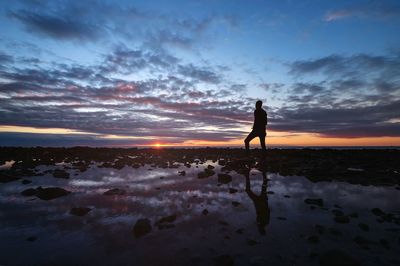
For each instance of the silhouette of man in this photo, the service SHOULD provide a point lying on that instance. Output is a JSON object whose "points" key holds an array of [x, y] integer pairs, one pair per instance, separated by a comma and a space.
{"points": [[259, 127], [260, 202]]}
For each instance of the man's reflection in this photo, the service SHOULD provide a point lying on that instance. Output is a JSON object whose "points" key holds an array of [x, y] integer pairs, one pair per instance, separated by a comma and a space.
{"points": [[260, 202]]}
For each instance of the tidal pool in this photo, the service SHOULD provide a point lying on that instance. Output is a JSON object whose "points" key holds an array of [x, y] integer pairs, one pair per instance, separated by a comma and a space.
{"points": [[252, 219]]}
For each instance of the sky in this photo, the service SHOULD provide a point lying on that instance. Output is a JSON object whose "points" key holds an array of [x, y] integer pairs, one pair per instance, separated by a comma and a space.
{"points": [[188, 73]]}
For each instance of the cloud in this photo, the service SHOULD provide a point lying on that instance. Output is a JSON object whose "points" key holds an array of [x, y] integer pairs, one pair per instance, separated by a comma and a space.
{"points": [[199, 73], [57, 27], [373, 9]]}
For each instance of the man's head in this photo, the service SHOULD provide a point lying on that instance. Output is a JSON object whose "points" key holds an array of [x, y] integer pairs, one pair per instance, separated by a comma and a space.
{"points": [[258, 104]]}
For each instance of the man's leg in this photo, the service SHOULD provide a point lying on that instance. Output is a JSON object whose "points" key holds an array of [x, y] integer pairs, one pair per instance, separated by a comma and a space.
{"points": [[251, 136], [262, 141]]}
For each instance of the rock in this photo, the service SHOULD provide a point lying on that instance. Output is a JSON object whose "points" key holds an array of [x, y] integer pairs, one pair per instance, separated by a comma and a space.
{"points": [[320, 229], [26, 181], [205, 212], [5, 178], [337, 212], [224, 178], [337, 257], [223, 260], [342, 219], [232, 190], [221, 162], [270, 192], [286, 196], [384, 243], [58, 173], [240, 231], [210, 167], [252, 242], [206, 173], [166, 222], [313, 239], [318, 202], [182, 173], [141, 228], [29, 192], [31, 238], [80, 211], [281, 218], [377, 212], [223, 223], [335, 232], [235, 203], [363, 242], [51, 193], [114, 191], [364, 227]]}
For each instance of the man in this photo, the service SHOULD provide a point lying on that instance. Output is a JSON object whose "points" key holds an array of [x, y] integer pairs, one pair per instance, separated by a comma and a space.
{"points": [[259, 127]]}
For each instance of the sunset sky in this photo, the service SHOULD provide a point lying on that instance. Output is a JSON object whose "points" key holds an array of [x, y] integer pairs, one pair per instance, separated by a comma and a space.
{"points": [[188, 73]]}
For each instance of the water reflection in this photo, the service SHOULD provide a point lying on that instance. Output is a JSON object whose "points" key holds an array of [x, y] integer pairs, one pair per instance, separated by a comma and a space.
{"points": [[260, 202]]}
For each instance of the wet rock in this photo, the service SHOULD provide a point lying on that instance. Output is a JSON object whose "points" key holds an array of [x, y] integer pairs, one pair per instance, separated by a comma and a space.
{"points": [[337, 212], [363, 242], [182, 173], [313, 239], [31, 238], [224, 178], [29, 192], [364, 227], [252, 242], [221, 162], [58, 173], [270, 192], [142, 227], [318, 202], [26, 181], [5, 178], [232, 190], [377, 212], [286, 196], [337, 206], [79, 211], [114, 191], [166, 222], [205, 212], [240, 231], [337, 257], [384, 243], [223, 223], [235, 203], [335, 231], [210, 167], [281, 218], [320, 229], [51, 193], [342, 219], [223, 260], [353, 215], [206, 173]]}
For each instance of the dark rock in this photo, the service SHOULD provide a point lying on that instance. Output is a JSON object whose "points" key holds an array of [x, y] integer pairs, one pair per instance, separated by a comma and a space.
{"points": [[377, 212], [182, 173], [240, 231], [223, 223], [221, 162], [223, 260], [282, 218], [286, 196], [335, 231], [252, 242], [318, 202], [51, 193], [224, 178], [80, 211], [114, 191], [210, 167], [384, 243], [353, 215], [205, 212], [342, 219], [31, 238], [206, 173], [313, 239], [26, 181], [337, 212], [141, 228], [166, 222], [270, 192], [337, 257], [232, 190], [363, 226], [58, 173], [29, 192], [5, 178], [235, 203], [320, 229]]}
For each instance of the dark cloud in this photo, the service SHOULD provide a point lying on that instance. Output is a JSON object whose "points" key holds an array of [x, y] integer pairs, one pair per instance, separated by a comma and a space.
{"points": [[57, 27], [199, 73]]}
